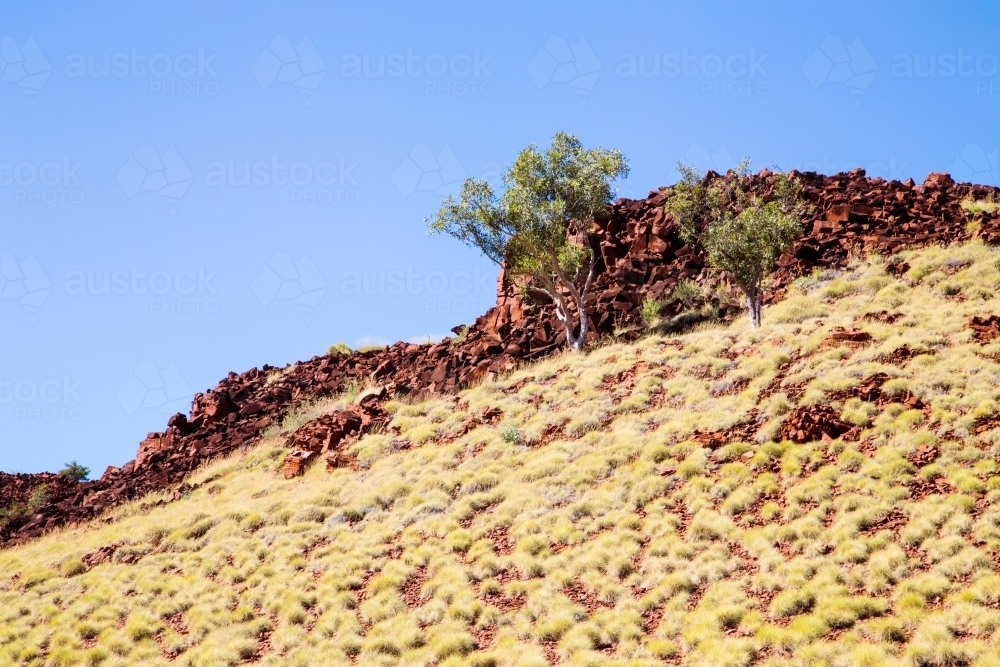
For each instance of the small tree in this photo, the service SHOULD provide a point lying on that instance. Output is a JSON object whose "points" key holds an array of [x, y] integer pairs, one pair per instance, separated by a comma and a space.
{"points": [[75, 471], [743, 229], [538, 226]]}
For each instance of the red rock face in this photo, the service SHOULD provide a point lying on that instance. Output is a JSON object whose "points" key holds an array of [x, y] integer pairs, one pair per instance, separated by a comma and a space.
{"points": [[641, 256], [297, 462], [984, 329]]}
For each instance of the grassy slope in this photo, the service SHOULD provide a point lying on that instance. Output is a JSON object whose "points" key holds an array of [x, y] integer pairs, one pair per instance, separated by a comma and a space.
{"points": [[586, 527]]}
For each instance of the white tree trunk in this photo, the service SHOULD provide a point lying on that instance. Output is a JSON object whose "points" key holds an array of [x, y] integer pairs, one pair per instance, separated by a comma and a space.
{"points": [[579, 296], [754, 296], [563, 315]]}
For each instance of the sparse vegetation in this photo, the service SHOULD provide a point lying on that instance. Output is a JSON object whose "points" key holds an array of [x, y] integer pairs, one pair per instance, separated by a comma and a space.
{"points": [[39, 496], [977, 207], [607, 533], [75, 471], [538, 228], [650, 311], [685, 292], [339, 348], [743, 231]]}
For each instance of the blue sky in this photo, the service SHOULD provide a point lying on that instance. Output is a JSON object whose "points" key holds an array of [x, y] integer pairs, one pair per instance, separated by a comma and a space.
{"points": [[188, 190]]}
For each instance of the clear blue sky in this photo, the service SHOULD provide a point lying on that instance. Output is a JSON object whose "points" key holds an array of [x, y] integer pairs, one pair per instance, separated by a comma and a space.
{"points": [[188, 190]]}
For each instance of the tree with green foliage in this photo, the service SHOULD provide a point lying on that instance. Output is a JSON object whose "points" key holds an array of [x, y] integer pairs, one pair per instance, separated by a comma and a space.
{"points": [[538, 228], [742, 227], [76, 471]]}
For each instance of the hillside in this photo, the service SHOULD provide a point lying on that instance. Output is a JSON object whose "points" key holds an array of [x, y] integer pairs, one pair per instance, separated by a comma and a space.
{"points": [[641, 257], [820, 491]]}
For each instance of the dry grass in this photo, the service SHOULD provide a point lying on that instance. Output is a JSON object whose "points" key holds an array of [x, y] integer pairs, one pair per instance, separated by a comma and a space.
{"points": [[588, 527]]}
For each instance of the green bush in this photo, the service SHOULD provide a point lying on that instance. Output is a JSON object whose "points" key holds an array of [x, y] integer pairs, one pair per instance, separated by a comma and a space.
{"points": [[742, 228], [686, 291], [650, 311], [74, 470], [339, 348]]}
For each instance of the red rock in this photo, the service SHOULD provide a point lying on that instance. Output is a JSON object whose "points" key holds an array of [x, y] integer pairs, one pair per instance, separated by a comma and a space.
{"points": [[296, 463], [642, 256], [984, 329]]}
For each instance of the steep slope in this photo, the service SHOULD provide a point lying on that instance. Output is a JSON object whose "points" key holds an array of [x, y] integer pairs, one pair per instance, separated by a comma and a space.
{"points": [[642, 257], [820, 491]]}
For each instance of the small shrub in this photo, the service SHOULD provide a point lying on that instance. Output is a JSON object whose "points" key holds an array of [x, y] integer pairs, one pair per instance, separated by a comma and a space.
{"points": [[793, 601], [511, 434], [200, 528], [339, 348], [685, 292], [310, 515], [141, 625], [72, 568], [76, 471], [976, 207], [650, 311]]}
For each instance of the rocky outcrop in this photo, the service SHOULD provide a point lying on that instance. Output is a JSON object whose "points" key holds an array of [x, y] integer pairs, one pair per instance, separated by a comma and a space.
{"points": [[641, 256]]}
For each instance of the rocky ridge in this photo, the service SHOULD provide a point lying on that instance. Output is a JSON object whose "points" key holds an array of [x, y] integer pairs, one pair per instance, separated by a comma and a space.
{"points": [[641, 256]]}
